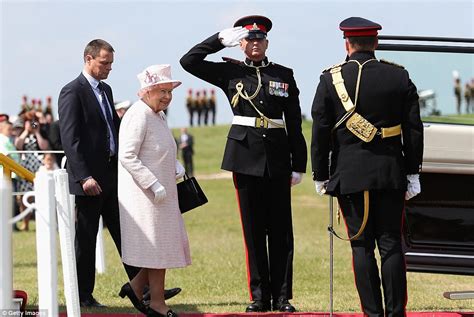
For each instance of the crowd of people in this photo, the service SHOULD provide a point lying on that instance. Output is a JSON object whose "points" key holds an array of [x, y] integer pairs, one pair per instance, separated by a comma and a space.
{"points": [[367, 141], [201, 107]]}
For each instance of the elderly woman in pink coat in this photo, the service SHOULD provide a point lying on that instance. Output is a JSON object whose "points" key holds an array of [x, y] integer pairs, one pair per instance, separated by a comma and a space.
{"points": [[152, 229]]}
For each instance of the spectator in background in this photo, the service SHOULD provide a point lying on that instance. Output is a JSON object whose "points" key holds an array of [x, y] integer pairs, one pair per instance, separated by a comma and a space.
{"points": [[49, 163], [457, 94], [7, 146], [122, 107], [31, 139], [185, 144]]}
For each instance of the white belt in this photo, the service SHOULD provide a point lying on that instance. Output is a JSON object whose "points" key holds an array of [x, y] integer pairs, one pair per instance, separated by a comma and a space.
{"points": [[258, 122]]}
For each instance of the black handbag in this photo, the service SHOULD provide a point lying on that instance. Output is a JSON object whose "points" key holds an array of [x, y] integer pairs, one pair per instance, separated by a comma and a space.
{"points": [[190, 194]]}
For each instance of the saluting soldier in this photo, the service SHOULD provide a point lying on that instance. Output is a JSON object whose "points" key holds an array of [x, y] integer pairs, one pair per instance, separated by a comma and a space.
{"points": [[367, 149], [265, 158]]}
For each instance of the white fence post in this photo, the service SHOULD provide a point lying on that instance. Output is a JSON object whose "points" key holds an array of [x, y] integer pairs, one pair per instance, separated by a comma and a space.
{"points": [[46, 243], [6, 262], [66, 223]]}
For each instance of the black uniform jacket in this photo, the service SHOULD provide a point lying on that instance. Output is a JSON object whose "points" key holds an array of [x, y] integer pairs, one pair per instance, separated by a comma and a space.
{"points": [[387, 97], [250, 150], [84, 135]]}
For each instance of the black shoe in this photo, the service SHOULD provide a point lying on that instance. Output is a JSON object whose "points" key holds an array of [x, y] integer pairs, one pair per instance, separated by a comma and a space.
{"points": [[258, 306], [169, 293], [283, 305], [153, 313], [91, 302], [127, 290]]}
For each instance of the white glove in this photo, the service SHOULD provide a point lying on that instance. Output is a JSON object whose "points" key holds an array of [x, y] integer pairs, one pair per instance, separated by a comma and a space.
{"points": [[179, 170], [232, 36], [414, 187], [296, 178], [321, 186], [159, 191]]}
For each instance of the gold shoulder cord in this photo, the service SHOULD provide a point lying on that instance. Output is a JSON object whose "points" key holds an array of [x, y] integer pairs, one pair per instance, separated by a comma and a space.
{"points": [[240, 88], [338, 83]]}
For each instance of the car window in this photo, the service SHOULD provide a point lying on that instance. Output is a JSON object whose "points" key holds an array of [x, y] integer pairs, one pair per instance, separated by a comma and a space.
{"points": [[445, 80]]}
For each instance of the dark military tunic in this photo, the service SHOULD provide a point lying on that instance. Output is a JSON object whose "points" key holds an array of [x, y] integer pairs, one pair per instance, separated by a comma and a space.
{"points": [[262, 161], [387, 97]]}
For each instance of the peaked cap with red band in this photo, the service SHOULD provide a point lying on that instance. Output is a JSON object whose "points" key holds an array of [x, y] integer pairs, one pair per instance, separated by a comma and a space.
{"points": [[356, 26], [257, 25]]}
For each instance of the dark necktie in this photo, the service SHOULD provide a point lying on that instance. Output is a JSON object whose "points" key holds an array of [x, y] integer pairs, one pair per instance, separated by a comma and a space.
{"points": [[111, 132]]}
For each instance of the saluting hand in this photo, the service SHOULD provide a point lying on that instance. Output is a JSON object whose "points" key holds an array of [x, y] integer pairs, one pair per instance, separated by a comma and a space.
{"points": [[232, 36], [91, 187]]}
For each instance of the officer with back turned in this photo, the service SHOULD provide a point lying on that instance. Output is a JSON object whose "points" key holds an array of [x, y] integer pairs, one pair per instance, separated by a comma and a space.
{"points": [[367, 149], [265, 153]]}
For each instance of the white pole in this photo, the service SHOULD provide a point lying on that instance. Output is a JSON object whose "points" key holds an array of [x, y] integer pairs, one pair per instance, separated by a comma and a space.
{"points": [[46, 243], [66, 223], [6, 263], [100, 249], [331, 257]]}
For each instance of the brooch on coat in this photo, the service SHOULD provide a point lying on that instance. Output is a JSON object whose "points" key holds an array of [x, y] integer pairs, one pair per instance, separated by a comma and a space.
{"points": [[278, 89]]}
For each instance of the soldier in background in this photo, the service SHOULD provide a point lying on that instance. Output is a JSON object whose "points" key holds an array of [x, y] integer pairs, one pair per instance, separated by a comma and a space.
{"points": [[457, 94], [185, 144], [205, 107], [212, 106], [190, 106], [198, 106], [467, 97]]}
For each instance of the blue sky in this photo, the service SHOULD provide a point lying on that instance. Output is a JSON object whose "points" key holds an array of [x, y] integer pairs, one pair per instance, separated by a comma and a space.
{"points": [[42, 42]]}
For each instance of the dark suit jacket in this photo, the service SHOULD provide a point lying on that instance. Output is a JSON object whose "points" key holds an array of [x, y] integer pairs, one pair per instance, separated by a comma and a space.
{"points": [[387, 97], [187, 150], [251, 150], [84, 135]]}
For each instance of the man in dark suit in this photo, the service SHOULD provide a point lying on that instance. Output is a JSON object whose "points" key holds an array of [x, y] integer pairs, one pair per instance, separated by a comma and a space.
{"points": [[89, 134], [265, 153], [185, 143], [367, 149]]}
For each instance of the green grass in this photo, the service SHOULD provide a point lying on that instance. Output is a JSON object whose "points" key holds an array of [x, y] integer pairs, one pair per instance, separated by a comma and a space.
{"points": [[459, 119], [216, 281]]}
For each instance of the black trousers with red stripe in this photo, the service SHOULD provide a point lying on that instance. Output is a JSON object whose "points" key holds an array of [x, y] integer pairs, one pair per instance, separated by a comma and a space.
{"points": [[265, 210], [384, 230]]}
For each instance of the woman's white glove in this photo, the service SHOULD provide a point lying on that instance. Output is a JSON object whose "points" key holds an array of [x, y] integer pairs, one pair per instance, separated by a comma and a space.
{"points": [[321, 186], [414, 187], [159, 191], [232, 36], [296, 178], [180, 171]]}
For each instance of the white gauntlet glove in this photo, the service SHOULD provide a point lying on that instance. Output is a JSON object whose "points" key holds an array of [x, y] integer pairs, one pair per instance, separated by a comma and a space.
{"points": [[413, 187], [159, 191], [321, 186], [179, 170], [232, 36], [296, 178]]}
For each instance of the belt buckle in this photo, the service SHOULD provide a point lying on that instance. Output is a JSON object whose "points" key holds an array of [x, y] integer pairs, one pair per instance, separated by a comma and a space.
{"points": [[261, 123]]}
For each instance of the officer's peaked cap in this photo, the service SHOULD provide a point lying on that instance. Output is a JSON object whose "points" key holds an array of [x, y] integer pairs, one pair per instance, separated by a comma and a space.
{"points": [[257, 25], [356, 26]]}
